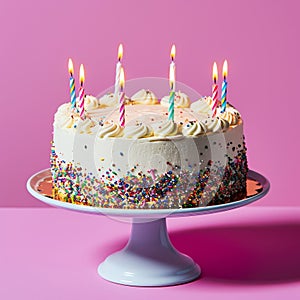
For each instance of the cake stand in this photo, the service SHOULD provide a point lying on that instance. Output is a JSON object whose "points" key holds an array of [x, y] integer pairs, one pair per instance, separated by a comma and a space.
{"points": [[149, 258]]}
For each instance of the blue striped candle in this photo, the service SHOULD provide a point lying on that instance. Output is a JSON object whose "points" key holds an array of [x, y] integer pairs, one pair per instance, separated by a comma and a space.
{"points": [[72, 85], [224, 87]]}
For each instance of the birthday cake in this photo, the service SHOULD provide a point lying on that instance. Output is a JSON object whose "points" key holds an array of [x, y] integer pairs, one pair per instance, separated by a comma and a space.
{"points": [[150, 162]]}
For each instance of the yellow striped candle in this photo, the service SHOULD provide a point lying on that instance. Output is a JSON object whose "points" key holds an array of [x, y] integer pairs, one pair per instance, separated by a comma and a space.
{"points": [[224, 87], [72, 84]]}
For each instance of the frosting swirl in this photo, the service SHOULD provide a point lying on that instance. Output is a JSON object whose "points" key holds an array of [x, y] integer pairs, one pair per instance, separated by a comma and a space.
{"points": [[230, 117], [90, 103], [193, 128], [66, 117], [64, 109], [68, 122], [216, 124], [181, 100], [73, 122], [138, 131], [62, 115], [203, 105], [166, 128], [110, 130], [233, 110], [144, 97]]}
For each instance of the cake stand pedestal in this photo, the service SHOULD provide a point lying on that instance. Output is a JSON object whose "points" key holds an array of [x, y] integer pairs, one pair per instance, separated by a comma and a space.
{"points": [[149, 258]]}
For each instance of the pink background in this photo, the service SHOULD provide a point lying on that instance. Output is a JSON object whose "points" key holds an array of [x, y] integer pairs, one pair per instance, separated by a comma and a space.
{"points": [[259, 39], [54, 253]]}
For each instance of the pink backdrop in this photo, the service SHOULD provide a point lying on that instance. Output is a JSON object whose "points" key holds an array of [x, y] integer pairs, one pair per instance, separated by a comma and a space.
{"points": [[259, 39]]}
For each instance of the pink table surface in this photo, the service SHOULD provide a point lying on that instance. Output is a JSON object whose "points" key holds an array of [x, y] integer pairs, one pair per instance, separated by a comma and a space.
{"points": [[251, 252]]}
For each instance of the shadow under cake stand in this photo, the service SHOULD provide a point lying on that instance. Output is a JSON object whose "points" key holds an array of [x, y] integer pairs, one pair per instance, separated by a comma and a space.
{"points": [[149, 258]]}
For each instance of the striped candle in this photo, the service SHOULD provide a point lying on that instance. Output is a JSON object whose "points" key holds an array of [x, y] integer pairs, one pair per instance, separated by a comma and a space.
{"points": [[171, 106], [118, 70], [122, 99], [215, 90], [72, 84], [172, 85], [81, 92], [224, 87]]}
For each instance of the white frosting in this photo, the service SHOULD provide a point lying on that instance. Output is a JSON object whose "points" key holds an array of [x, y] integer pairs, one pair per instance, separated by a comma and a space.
{"points": [[166, 128], [110, 130], [233, 110], [148, 141], [90, 103], [193, 128], [64, 109], [153, 116], [229, 116], [63, 115], [203, 105], [68, 122], [148, 153], [137, 131], [108, 100], [180, 100], [144, 97], [78, 125], [86, 125], [216, 124]]}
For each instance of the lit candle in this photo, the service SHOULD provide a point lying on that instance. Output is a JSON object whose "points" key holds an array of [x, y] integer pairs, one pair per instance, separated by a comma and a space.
{"points": [[172, 94], [122, 98], [215, 90], [72, 84], [224, 86], [81, 92], [172, 84], [172, 64], [118, 70]]}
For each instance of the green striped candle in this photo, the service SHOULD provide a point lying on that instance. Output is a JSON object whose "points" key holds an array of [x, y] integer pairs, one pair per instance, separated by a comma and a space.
{"points": [[172, 85], [72, 84]]}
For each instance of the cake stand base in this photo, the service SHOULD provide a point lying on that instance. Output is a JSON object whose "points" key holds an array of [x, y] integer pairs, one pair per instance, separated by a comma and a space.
{"points": [[149, 259]]}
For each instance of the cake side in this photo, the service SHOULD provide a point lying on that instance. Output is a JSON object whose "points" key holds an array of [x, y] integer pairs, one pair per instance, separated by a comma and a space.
{"points": [[151, 163]]}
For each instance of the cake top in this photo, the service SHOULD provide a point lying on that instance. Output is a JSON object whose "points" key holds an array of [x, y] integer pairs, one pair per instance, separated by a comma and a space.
{"points": [[146, 116]]}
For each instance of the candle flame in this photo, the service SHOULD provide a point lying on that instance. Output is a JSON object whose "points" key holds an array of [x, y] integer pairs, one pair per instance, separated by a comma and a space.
{"points": [[173, 52], [120, 52], [122, 79], [70, 66], [81, 74], [171, 77], [215, 72], [225, 69]]}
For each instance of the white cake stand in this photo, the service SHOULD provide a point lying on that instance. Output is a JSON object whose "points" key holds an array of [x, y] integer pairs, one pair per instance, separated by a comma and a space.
{"points": [[149, 258]]}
